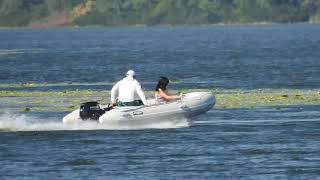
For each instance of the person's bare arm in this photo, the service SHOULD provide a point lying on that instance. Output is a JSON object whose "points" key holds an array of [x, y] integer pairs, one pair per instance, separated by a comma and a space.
{"points": [[166, 96]]}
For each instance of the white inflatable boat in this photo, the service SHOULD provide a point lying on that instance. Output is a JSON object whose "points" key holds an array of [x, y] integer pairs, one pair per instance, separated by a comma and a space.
{"points": [[190, 105]]}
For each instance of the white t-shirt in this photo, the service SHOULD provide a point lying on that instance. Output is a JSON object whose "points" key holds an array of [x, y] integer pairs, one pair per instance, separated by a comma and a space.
{"points": [[127, 88]]}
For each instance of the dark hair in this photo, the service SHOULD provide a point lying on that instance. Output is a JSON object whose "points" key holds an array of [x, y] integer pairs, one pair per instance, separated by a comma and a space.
{"points": [[162, 84]]}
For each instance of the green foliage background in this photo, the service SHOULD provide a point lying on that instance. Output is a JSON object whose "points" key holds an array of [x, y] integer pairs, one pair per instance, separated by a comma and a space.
{"points": [[154, 12]]}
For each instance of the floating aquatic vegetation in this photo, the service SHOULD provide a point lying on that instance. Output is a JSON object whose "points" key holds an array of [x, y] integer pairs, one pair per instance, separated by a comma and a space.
{"points": [[26, 109], [4, 52], [8, 52], [66, 100], [268, 97], [176, 81], [6, 93], [65, 84]]}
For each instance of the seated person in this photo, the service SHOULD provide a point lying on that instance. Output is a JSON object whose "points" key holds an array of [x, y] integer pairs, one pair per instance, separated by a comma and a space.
{"points": [[127, 88], [161, 92]]}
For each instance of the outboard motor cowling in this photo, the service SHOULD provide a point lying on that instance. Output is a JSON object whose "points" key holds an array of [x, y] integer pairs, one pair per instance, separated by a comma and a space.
{"points": [[90, 111]]}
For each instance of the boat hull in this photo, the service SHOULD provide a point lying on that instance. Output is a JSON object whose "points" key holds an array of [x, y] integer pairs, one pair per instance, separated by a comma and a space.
{"points": [[192, 104]]}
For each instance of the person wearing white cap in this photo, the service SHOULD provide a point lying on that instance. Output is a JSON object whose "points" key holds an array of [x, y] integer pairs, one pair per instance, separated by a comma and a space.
{"points": [[127, 89]]}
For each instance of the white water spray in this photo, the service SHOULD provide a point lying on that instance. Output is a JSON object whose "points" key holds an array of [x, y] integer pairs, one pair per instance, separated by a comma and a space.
{"points": [[22, 122]]}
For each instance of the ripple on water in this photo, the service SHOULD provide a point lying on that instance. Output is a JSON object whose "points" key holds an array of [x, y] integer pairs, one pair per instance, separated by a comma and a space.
{"points": [[78, 162]]}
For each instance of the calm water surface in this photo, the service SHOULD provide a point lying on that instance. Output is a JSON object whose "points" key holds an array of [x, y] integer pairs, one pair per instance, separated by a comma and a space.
{"points": [[257, 143], [270, 56]]}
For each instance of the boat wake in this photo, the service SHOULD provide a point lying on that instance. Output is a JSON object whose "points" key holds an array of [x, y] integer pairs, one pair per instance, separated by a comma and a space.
{"points": [[20, 122], [256, 122]]}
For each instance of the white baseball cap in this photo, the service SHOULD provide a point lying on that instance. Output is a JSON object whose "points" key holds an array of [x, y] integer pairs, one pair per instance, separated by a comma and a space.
{"points": [[131, 73]]}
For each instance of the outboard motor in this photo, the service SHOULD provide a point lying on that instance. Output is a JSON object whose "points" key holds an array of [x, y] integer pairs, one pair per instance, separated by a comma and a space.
{"points": [[91, 111]]}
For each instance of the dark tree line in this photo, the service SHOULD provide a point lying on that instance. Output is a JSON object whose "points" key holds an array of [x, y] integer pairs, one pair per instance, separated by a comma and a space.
{"points": [[152, 12]]}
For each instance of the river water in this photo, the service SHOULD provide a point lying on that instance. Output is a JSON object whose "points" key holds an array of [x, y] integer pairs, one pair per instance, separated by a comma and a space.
{"points": [[233, 143]]}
